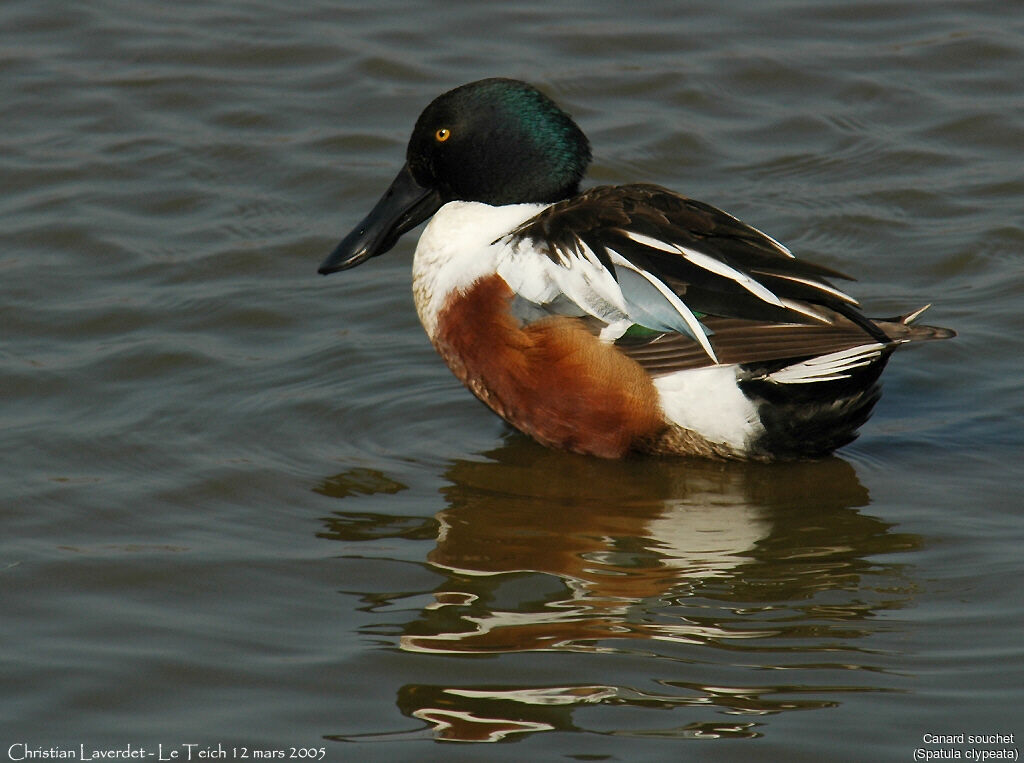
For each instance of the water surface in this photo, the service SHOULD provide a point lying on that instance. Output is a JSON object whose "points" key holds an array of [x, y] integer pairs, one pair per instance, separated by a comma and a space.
{"points": [[242, 504]]}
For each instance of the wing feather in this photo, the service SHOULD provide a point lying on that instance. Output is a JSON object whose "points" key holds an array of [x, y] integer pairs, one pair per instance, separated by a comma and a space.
{"points": [[709, 259], [692, 267]]}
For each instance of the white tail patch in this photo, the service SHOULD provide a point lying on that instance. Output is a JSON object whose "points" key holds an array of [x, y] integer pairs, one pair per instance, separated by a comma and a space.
{"points": [[831, 367]]}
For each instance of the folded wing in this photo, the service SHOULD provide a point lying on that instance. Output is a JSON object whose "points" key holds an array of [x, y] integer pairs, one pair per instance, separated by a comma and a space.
{"points": [[641, 255]]}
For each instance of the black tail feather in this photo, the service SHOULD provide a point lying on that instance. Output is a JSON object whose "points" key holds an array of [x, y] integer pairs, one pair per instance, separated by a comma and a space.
{"points": [[813, 419]]}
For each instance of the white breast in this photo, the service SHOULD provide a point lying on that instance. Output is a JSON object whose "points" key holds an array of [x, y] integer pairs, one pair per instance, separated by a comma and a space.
{"points": [[458, 246]]}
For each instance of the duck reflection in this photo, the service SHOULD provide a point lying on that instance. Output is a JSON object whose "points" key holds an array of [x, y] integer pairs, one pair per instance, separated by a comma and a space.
{"points": [[546, 551]]}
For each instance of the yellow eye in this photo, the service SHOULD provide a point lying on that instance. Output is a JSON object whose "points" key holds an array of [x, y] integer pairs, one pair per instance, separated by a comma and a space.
{"points": [[442, 135]]}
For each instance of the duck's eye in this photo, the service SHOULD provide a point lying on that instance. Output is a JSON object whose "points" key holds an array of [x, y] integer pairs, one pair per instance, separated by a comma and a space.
{"points": [[442, 135]]}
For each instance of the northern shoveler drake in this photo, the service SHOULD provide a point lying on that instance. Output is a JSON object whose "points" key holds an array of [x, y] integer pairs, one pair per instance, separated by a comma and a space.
{"points": [[622, 318]]}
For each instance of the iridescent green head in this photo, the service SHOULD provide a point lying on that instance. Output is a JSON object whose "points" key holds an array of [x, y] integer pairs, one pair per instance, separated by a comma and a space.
{"points": [[496, 141], [499, 141]]}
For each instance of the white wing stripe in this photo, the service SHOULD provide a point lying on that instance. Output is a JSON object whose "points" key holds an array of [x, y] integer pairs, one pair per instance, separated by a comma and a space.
{"points": [[653, 243], [781, 247], [687, 315], [804, 308], [710, 264], [831, 367], [820, 287], [720, 268], [778, 245]]}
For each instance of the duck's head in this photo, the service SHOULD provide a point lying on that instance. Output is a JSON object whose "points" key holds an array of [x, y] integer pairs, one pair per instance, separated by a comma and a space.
{"points": [[496, 141]]}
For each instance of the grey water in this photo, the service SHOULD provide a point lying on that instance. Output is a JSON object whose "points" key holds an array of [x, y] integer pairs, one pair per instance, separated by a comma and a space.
{"points": [[247, 506]]}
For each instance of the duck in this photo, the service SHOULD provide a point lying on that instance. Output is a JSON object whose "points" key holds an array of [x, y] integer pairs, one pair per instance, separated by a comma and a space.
{"points": [[619, 319]]}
